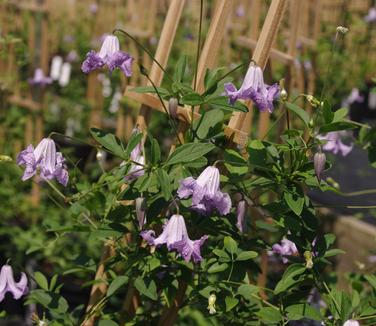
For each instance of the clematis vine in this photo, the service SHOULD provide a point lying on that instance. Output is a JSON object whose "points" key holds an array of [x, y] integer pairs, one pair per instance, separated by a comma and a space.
{"points": [[286, 248], [205, 192], [45, 160], [334, 143], [175, 236], [109, 55], [254, 88], [8, 284], [40, 79]]}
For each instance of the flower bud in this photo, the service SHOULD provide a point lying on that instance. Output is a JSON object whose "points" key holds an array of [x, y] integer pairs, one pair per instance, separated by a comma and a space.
{"points": [[284, 95], [308, 259], [342, 29], [211, 304], [173, 107], [141, 211], [319, 164]]}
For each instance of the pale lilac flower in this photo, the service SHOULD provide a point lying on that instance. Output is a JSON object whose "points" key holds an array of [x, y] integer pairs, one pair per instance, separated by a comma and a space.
{"points": [[307, 64], [241, 223], [72, 56], [372, 259], [240, 12], [371, 16], [140, 211], [319, 160], [40, 79], [254, 88], [286, 248], [353, 97], [93, 8], [334, 143], [351, 322], [8, 284], [45, 160], [175, 236], [205, 192], [109, 55], [136, 170]]}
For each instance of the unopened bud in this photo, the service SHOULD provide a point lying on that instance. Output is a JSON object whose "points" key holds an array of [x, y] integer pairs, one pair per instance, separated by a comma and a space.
{"points": [[5, 158], [141, 211], [313, 101], [284, 95], [342, 29], [211, 304], [308, 259], [101, 156], [173, 107], [319, 164]]}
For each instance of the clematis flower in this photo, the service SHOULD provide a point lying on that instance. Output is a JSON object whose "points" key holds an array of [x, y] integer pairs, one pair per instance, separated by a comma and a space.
{"points": [[45, 160], [140, 211], [8, 284], [136, 170], [205, 192], [334, 143], [175, 236], [109, 55], [240, 214], [40, 79], [371, 16], [353, 97], [351, 322], [319, 160], [286, 248], [254, 88]]}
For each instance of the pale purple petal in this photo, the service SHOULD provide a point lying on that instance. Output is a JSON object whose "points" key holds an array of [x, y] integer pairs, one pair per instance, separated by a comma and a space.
{"points": [[121, 60], [136, 170], [148, 236], [190, 248], [92, 62], [231, 92], [240, 215], [140, 211], [40, 79], [27, 158], [8, 284], [187, 187]]}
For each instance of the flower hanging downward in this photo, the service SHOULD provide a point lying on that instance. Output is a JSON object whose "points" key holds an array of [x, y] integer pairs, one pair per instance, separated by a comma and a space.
{"points": [[46, 160], [241, 222], [8, 284], [137, 168], [253, 88], [334, 143], [319, 160], [109, 55], [205, 192], [175, 236], [286, 248], [40, 79]]}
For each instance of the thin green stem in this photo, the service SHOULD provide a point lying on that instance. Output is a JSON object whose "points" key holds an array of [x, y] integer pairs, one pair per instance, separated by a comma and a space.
{"points": [[54, 188]]}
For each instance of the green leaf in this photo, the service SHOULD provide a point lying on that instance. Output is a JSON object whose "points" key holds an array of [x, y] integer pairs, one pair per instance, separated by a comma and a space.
{"points": [[269, 315], [164, 183], [192, 99], [216, 268], [116, 284], [303, 115], [340, 114], [109, 142], [107, 322], [189, 152], [327, 112], [257, 153], [235, 163], [334, 252], [247, 290], [303, 310], [371, 280], [41, 280], [180, 69], [289, 278], [149, 291], [231, 303], [247, 255], [210, 121], [155, 151], [340, 125], [221, 102], [150, 89], [223, 255], [295, 201], [230, 245]]}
